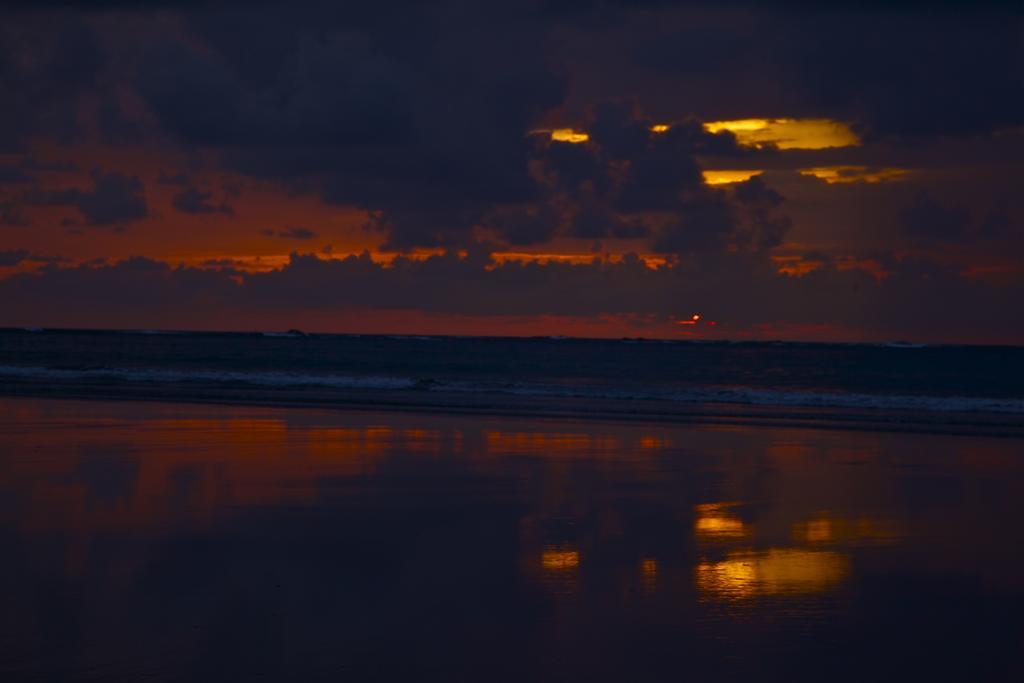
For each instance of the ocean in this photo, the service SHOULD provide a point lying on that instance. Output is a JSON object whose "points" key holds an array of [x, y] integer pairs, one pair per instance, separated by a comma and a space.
{"points": [[899, 385]]}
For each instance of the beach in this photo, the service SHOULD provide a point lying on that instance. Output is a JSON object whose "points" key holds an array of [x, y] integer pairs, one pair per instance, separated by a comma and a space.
{"points": [[558, 341], [171, 541]]}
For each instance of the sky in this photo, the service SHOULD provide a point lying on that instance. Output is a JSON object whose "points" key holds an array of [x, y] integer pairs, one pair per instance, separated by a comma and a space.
{"points": [[539, 167]]}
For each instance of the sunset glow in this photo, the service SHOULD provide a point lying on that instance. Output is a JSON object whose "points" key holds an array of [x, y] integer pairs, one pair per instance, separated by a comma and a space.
{"points": [[572, 191], [562, 340], [727, 177], [856, 174], [788, 133]]}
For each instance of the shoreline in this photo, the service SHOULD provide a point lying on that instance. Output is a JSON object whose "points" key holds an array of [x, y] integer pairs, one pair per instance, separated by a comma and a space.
{"points": [[576, 409]]}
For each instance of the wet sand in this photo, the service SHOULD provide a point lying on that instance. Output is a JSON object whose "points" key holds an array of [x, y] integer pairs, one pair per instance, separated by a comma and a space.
{"points": [[159, 541]]}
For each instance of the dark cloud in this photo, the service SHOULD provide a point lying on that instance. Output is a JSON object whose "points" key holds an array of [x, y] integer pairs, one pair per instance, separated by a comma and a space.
{"points": [[525, 226], [387, 115], [704, 224], [219, 263], [115, 198], [11, 173], [174, 179], [927, 219], [611, 184], [626, 167], [911, 77], [592, 222], [13, 257], [62, 166], [573, 169], [766, 226], [47, 66], [998, 225], [290, 233], [193, 200], [744, 218], [12, 214]]}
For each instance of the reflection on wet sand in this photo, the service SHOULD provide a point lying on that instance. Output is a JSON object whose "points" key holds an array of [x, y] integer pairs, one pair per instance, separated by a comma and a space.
{"points": [[557, 559], [560, 570], [532, 536], [715, 521], [649, 574], [748, 574], [550, 443], [828, 529]]}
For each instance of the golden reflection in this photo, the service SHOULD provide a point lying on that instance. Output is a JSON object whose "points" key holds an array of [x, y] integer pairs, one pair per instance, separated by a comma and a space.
{"points": [[786, 452], [660, 128], [548, 443], [787, 133], [777, 571], [715, 522], [198, 468], [653, 443], [569, 135], [855, 174], [558, 559], [649, 574], [559, 569], [727, 177], [818, 530], [825, 529]]}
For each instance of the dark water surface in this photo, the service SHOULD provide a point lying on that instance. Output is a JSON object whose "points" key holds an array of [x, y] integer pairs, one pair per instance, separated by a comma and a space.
{"points": [[206, 543], [644, 376]]}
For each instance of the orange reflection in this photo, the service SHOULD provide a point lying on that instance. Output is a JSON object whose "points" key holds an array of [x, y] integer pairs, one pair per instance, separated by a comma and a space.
{"points": [[569, 135], [777, 571], [559, 565], [198, 468], [649, 574], [826, 529], [559, 560], [653, 443], [715, 522], [548, 443]]}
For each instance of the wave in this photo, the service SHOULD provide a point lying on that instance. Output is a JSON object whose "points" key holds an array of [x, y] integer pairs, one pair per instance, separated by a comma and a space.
{"points": [[161, 333], [156, 375], [748, 396], [692, 394]]}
